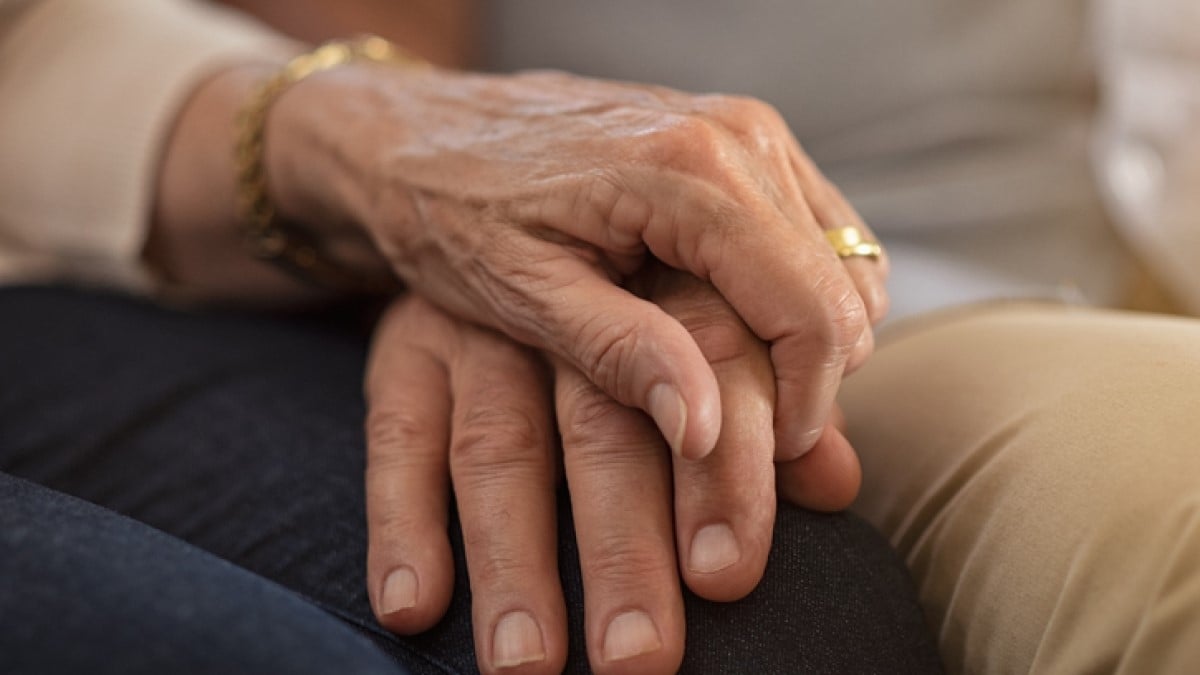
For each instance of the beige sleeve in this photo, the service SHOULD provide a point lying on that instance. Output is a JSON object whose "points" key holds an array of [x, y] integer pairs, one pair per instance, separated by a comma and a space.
{"points": [[88, 92]]}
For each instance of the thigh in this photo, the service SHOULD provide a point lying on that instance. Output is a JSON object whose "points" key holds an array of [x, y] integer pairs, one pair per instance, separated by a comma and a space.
{"points": [[1036, 466], [243, 437], [240, 435], [86, 590]]}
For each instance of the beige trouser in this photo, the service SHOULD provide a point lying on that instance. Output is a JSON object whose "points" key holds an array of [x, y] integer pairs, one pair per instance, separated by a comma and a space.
{"points": [[1039, 469]]}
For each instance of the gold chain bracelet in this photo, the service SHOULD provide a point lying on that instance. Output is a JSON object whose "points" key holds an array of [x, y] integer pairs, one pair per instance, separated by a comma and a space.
{"points": [[267, 237]]}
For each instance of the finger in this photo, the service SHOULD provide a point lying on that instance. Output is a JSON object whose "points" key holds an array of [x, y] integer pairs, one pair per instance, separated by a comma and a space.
{"points": [[869, 275], [409, 564], [810, 345], [725, 503], [503, 470], [825, 479], [785, 282], [619, 477], [833, 210], [629, 347], [633, 351], [798, 188], [871, 283], [830, 210]]}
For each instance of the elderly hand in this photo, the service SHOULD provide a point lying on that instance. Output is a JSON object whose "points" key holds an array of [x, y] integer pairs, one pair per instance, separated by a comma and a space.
{"points": [[451, 401], [524, 202]]}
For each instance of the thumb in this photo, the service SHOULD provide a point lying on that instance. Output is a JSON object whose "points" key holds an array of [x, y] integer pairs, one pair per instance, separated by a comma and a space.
{"points": [[826, 478], [637, 354]]}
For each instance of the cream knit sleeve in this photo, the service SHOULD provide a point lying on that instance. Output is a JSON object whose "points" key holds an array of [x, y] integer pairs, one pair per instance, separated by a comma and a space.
{"points": [[88, 92]]}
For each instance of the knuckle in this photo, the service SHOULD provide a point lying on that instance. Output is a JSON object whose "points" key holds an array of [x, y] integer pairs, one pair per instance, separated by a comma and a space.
{"points": [[598, 198], [395, 530], [845, 316], [597, 426], [688, 143], [496, 565], [627, 561], [395, 429], [591, 409], [605, 203], [722, 339], [495, 435], [747, 110], [608, 349], [715, 327], [758, 124]]}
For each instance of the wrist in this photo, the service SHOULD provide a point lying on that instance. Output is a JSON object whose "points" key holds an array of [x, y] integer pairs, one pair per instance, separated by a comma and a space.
{"points": [[197, 243], [327, 141], [310, 178], [309, 189], [194, 245], [342, 143]]}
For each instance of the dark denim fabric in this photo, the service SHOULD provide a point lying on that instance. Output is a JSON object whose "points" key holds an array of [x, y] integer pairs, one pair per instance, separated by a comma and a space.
{"points": [[240, 438], [85, 590]]}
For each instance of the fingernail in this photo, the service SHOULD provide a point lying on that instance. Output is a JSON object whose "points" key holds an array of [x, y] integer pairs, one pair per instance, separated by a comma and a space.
{"points": [[630, 634], [670, 412], [399, 590], [517, 640], [804, 442], [713, 549]]}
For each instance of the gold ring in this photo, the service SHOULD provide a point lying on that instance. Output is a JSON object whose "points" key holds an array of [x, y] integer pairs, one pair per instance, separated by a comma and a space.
{"points": [[849, 242]]}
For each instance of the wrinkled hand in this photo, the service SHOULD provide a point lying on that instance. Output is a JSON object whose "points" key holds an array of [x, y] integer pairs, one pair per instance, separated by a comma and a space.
{"points": [[523, 202], [451, 403]]}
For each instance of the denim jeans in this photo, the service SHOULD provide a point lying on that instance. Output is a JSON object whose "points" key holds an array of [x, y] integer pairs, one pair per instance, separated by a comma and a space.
{"points": [[182, 492]]}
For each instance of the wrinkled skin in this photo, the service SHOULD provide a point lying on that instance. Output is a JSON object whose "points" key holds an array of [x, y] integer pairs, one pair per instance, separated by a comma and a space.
{"points": [[524, 202]]}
